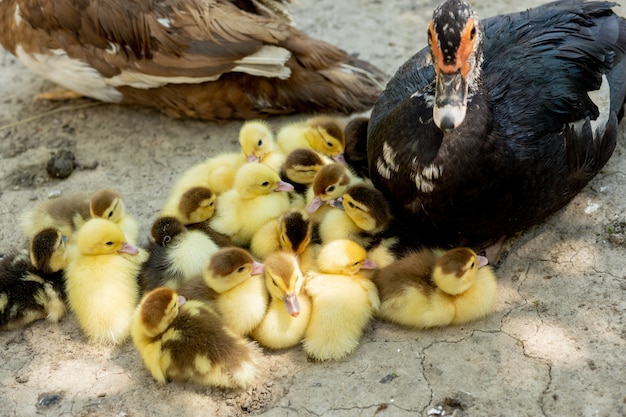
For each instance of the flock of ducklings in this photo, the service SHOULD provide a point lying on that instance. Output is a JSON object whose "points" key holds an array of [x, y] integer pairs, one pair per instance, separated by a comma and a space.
{"points": [[276, 245]]}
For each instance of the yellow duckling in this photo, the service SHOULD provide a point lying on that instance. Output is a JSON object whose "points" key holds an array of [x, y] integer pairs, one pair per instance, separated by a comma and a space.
{"points": [[177, 254], [323, 134], [328, 185], [31, 283], [258, 145], [291, 232], [101, 280], [344, 300], [289, 310], [182, 340], [68, 213], [431, 288], [232, 283], [251, 203]]}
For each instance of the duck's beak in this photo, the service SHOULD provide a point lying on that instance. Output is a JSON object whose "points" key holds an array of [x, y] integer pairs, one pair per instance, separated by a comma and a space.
{"points": [[292, 304], [181, 300], [63, 240], [337, 203], [368, 264], [450, 100], [253, 158], [128, 248], [257, 268], [482, 261], [283, 186], [315, 204], [340, 159]]}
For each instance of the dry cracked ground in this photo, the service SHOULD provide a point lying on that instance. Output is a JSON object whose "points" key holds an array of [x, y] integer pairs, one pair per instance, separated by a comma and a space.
{"points": [[555, 346]]}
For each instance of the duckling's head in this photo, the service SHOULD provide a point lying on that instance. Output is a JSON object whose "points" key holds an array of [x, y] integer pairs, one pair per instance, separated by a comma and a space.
{"points": [[343, 256], [166, 228], [102, 237], [107, 204], [329, 183], [253, 180], [256, 140], [455, 38], [302, 164], [158, 309], [197, 205], [455, 271], [229, 267], [295, 230], [367, 207], [47, 250], [325, 135], [284, 280]]}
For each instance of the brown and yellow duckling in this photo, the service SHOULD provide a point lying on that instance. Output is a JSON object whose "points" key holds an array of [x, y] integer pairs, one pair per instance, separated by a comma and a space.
{"points": [[323, 134], [289, 310], [101, 278], [344, 300], [291, 232], [299, 169], [185, 340], [31, 282], [232, 283], [432, 288]]}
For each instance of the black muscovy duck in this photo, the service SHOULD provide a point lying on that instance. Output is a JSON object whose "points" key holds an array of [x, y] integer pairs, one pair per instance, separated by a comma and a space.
{"points": [[496, 125]]}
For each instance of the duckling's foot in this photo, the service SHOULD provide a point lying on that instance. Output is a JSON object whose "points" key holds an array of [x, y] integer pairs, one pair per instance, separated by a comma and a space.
{"points": [[58, 95]]}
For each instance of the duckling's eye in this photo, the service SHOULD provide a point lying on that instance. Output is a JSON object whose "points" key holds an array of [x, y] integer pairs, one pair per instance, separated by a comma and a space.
{"points": [[356, 263], [212, 203], [329, 144], [110, 214], [330, 189], [472, 265], [260, 142], [241, 269], [265, 184], [109, 243], [274, 282], [473, 33], [351, 204]]}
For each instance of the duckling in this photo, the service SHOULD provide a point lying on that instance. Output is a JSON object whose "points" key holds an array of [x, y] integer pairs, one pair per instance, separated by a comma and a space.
{"points": [[289, 309], [258, 145], [431, 288], [356, 145], [329, 184], [68, 213], [194, 205], [344, 300], [299, 169], [185, 340], [291, 232], [101, 280], [31, 282], [323, 134], [232, 283], [177, 254], [251, 203]]}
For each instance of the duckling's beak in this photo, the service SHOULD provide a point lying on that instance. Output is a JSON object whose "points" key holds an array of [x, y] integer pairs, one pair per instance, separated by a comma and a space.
{"points": [[482, 261], [337, 203], [340, 159], [63, 240], [253, 158], [315, 204], [128, 248], [283, 186], [292, 304], [257, 268], [368, 264], [450, 100], [181, 300]]}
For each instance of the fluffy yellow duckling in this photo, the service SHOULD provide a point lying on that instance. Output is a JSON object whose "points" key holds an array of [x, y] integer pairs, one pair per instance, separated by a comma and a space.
{"points": [[251, 203], [431, 288], [31, 283], [291, 232], [344, 300], [101, 280], [258, 145], [177, 254], [323, 134], [68, 213], [182, 340], [233, 284], [194, 205], [328, 185], [289, 310]]}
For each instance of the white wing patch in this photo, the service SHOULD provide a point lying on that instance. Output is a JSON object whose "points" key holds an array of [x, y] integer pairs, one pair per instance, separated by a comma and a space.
{"points": [[424, 178], [602, 99]]}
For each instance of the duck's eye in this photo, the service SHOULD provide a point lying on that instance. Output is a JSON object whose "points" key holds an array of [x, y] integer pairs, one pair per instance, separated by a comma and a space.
{"points": [[260, 142], [329, 144], [473, 33], [356, 263], [110, 214], [241, 269], [330, 189], [472, 265], [109, 243], [274, 282], [212, 204], [351, 204], [265, 184]]}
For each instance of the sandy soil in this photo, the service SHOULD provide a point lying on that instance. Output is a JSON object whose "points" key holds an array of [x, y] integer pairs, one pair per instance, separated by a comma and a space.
{"points": [[556, 345]]}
